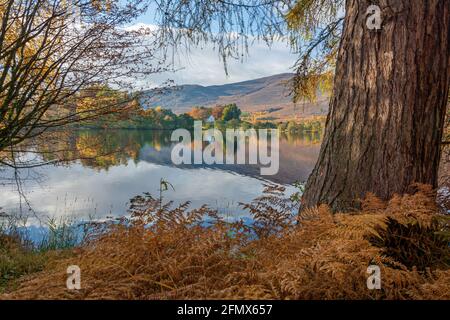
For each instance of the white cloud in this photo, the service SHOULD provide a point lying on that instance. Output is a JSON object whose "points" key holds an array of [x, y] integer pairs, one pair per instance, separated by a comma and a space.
{"points": [[203, 65]]}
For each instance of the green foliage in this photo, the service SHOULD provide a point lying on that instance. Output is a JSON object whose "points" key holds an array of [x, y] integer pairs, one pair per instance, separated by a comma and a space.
{"points": [[228, 116], [17, 260], [307, 125], [234, 123], [200, 113], [265, 125], [19, 256], [231, 112], [154, 118], [62, 234], [296, 197]]}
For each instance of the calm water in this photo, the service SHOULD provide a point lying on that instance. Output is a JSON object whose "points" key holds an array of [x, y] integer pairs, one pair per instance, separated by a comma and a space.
{"points": [[114, 166]]}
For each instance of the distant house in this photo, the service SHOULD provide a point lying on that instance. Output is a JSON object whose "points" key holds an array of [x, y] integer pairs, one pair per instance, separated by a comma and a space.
{"points": [[211, 119]]}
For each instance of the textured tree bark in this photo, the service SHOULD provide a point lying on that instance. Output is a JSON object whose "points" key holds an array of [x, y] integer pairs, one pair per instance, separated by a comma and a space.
{"points": [[385, 124]]}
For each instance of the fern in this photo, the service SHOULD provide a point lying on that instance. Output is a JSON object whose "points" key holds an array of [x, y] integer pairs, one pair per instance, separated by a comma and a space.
{"points": [[174, 252]]}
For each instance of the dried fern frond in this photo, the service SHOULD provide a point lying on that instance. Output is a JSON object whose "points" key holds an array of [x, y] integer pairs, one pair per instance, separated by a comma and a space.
{"points": [[166, 252]]}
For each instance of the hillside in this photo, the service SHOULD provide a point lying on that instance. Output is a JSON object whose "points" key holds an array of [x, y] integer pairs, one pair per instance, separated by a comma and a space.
{"points": [[270, 94]]}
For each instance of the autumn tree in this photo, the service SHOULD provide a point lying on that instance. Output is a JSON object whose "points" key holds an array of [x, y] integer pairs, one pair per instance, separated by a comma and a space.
{"points": [[51, 50], [217, 111], [102, 105], [199, 113], [231, 112]]}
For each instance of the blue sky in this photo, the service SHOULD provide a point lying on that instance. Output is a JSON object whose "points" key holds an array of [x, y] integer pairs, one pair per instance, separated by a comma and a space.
{"points": [[204, 66]]}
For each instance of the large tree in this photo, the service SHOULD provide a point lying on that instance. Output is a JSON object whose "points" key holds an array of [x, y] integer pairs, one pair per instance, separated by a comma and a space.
{"points": [[388, 106], [388, 103]]}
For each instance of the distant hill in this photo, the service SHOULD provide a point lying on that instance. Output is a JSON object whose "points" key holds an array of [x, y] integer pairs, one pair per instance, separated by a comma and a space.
{"points": [[269, 94]]}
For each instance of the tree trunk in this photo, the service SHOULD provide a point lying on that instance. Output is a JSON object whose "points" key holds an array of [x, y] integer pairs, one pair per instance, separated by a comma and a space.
{"points": [[385, 124]]}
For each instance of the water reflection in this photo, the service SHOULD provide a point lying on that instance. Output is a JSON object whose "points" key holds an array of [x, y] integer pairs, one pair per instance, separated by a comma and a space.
{"points": [[113, 166]]}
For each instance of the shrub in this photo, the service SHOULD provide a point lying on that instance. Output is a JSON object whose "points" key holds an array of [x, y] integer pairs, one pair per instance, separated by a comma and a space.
{"points": [[16, 261]]}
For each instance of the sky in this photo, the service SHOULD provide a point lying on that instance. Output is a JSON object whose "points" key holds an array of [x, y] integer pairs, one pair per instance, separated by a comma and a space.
{"points": [[204, 66]]}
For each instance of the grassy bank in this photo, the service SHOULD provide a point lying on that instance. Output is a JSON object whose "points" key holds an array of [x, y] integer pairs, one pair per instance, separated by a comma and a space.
{"points": [[173, 253], [20, 255], [18, 260]]}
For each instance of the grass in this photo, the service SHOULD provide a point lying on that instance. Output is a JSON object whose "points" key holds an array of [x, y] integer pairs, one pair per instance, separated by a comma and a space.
{"points": [[16, 261], [20, 256], [176, 253]]}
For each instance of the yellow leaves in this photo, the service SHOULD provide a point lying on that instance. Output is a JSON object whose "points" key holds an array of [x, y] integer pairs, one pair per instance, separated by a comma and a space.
{"points": [[86, 147], [315, 27], [299, 17], [98, 100], [86, 104], [307, 15], [309, 85], [26, 46], [102, 5]]}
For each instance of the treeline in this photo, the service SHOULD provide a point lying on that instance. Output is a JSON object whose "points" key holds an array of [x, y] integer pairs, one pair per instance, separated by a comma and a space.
{"points": [[154, 118], [130, 114], [226, 116], [304, 125]]}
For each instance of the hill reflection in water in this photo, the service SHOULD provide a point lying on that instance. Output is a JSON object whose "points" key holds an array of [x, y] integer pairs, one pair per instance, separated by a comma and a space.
{"points": [[112, 166]]}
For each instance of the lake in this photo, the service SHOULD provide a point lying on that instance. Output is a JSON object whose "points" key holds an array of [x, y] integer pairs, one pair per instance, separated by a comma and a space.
{"points": [[103, 169]]}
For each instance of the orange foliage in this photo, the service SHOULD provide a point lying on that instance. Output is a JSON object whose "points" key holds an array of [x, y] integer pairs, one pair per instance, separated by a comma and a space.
{"points": [[200, 113], [172, 253]]}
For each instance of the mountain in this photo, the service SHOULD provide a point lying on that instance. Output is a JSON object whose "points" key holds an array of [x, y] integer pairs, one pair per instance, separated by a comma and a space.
{"points": [[269, 94]]}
